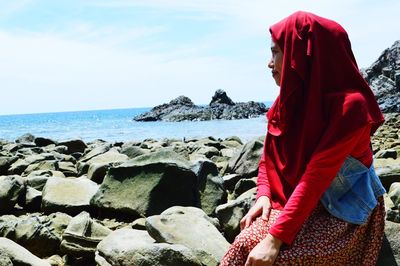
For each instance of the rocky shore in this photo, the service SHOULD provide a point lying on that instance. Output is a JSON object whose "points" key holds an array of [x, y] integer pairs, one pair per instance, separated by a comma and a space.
{"points": [[220, 107], [165, 202], [155, 202]]}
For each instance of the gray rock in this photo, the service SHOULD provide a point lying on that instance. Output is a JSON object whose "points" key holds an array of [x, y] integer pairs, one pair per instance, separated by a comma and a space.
{"points": [[5, 164], [69, 195], [201, 236], [133, 151], [230, 181], [383, 77], [221, 107], [390, 251], [230, 214], [394, 194], [147, 185], [11, 189], [41, 166], [18, 255], [41, 235], [42, 142], [75, 145], [33, 199], [97, 172], [96, 151], [246, 161], [67, 168], [212, 192], [82, 236], [26, 138], [386, 154], [244, 185], [129, 247]]}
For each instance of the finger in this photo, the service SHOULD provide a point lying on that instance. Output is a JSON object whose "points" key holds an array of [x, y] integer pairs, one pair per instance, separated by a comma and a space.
{"points": [[248, 262], [265, 213], [249, 219], [242, 223]]}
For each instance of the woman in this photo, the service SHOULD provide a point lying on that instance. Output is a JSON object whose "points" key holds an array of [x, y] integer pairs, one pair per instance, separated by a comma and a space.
{"points": [[319, 201]]}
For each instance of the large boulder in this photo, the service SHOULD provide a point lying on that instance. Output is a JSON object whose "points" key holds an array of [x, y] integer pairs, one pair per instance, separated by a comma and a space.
{"points": [[129, 247], [11, 189], [69, 195], [82, 236], [73, 145], [41, 235], [246, 161], [230, 214], [147, 185], [212, 192], [17, 255], [201, 236]]}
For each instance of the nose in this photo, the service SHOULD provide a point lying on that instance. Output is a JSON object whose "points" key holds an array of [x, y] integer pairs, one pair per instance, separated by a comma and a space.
{"points": [[271, 63]]}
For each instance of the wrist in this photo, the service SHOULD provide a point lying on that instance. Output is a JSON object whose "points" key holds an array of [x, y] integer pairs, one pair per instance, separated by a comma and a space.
{"points": [[276, 242]]}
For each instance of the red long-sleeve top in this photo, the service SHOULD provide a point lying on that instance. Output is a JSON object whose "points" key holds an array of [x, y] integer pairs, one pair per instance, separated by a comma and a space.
{"points": [[297, 205]]}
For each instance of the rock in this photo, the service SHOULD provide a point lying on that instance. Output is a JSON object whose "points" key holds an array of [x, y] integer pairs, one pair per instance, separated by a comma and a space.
{"points": [[68, 195], [211, 188], [75, 145], [41, 235], [5, 164], [220, 97], [201, 236], [230, 214], [386, 154], [41, 166], [390, 252], [388, 171], [394, 194], [43, 142], [230, 181], [129, 247], [221, 107], [139, 224], [82, 236], [97, 172], [147, 185], [244, 185], [67, 168], [26, 138], [383, 77], [133, 151], [11, 189], [96, 151], [18, 255], [246, 161], [33, 199]]}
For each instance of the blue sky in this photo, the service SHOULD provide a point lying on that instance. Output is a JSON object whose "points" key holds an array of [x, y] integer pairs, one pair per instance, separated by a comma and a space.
{"points": [[94, 54]]}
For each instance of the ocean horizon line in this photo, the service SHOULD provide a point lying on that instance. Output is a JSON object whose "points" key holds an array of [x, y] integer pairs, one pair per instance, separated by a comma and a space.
{"points": [[267, 103]]}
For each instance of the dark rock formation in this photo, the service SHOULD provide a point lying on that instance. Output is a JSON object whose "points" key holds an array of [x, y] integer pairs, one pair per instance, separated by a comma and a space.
{"points": [[221, 107], [384, 78]]}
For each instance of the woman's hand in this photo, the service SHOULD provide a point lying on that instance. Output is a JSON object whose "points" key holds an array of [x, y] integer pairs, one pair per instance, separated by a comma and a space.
{"points": [[262, 206], [265, 253]]}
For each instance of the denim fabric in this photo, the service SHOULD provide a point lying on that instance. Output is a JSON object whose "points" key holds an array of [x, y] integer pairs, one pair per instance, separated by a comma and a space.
{"points": [[353, 193]]}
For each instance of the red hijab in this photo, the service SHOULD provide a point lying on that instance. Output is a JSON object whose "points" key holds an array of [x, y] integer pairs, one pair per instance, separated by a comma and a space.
{"points": [[320, 85]]}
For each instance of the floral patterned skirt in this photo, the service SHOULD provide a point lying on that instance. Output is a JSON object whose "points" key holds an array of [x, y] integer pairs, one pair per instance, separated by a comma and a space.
{"points": [[323, 240]]}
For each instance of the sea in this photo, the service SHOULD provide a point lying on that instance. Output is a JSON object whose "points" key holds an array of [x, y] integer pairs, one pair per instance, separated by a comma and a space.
{"points": [[117, 125]]}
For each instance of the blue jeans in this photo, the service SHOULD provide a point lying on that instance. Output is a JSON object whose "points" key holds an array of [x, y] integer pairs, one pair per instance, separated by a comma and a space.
{"points": [[353, 193]]}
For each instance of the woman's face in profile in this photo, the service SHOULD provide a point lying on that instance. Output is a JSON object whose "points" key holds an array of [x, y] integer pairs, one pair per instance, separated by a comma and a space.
{"points": [[275, 64]]}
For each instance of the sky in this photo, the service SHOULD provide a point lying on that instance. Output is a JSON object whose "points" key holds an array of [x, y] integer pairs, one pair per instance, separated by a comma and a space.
{"points": [[71, 55]]}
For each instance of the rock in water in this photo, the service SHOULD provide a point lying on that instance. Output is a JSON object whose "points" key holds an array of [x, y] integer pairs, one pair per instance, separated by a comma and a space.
{"points": [[221, 107]]}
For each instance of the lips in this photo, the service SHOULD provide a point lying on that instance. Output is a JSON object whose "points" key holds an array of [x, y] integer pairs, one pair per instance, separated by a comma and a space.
{"points": [[274, 73]]}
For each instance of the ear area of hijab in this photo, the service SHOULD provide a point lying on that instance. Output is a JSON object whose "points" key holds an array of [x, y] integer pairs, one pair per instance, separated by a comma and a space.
{"points": [[301, 48]]}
